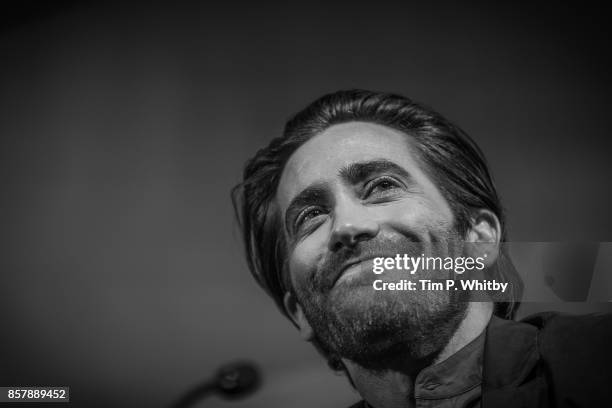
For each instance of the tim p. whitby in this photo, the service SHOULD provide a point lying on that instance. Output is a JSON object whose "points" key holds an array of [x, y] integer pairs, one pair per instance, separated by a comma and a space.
{"points": [[412, 264]]}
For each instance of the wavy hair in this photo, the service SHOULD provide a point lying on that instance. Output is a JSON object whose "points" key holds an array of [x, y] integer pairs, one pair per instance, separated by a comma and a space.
{"points": [[447, 154]]}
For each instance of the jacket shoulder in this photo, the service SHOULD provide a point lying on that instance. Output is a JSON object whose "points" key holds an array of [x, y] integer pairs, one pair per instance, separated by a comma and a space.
{"points": [[562, 331], [576, 352]]}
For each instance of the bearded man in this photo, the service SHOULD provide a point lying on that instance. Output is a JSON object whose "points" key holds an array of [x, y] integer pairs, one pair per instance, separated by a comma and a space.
{"points": [[359, 175]]}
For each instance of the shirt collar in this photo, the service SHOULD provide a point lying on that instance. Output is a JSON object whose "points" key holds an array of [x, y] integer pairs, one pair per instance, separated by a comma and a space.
{"points": [[457, 374]]}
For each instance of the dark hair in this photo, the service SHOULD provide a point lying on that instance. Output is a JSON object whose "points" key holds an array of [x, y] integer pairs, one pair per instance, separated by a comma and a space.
{"points": [[448, 154]]}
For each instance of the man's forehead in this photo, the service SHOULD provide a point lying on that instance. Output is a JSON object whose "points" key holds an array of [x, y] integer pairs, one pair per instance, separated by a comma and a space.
{"points": [[321, 158]]}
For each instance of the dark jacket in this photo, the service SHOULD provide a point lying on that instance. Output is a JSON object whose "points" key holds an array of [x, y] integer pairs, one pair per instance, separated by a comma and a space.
{"points": [[548, 360]]}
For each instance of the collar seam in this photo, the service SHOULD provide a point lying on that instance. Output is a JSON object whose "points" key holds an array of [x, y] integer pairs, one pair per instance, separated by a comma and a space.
{"points": [[450, 396]]}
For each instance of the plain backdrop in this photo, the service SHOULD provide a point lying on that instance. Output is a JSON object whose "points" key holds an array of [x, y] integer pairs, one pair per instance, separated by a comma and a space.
{"points": [[124, 126]]}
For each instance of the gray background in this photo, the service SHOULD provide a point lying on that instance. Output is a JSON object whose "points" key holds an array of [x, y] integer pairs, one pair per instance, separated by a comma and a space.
{"points": [[125, 126]]}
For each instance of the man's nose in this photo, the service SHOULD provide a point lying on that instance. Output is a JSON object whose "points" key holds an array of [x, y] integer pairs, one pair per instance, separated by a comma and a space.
{"points": [[352, 224]]}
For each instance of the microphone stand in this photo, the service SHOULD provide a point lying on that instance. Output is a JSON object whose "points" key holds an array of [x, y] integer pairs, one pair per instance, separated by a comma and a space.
{"points": [[232, 381], [194, 395]]}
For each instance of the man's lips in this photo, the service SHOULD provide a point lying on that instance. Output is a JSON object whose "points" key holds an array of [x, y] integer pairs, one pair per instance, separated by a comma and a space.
{"points": [[352, 267]]}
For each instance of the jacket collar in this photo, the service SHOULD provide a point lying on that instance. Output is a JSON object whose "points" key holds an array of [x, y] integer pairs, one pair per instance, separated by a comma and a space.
{"points": [[511, 354]]}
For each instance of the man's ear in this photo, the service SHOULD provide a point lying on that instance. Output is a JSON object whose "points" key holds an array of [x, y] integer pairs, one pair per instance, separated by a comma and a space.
{"points": [[295, 312], [483, 237]]}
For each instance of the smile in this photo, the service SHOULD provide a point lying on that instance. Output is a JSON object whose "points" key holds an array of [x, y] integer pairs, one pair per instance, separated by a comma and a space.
{"points": [[353, 269]]}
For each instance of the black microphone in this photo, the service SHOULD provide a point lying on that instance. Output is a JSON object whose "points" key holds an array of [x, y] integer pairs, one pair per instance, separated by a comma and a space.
{"points": [[232, 381]]}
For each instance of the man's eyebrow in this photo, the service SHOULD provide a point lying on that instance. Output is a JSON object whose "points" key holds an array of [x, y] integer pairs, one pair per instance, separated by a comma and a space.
{"points": [[312, 194], [355, 173]]}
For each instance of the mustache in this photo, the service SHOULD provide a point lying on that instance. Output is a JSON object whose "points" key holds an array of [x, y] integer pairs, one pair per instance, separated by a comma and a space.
{"points": [[333, 265]]}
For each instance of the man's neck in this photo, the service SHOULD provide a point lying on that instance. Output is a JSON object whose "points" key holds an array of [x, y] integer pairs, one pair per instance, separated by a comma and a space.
{"points": [[395, 388]]}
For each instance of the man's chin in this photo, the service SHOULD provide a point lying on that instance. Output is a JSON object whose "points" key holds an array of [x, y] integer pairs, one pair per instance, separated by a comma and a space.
{"points": [[377, 329], [406, 357]]}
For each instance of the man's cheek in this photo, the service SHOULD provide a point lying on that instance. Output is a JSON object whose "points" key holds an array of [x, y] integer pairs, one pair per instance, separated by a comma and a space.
{"points": [[417, 218], [404, 212], [303, 263], [311, 249]]}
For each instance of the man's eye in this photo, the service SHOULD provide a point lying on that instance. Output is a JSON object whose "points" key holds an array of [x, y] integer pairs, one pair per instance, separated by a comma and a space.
{"points": [[307, 215], [381, 185]]}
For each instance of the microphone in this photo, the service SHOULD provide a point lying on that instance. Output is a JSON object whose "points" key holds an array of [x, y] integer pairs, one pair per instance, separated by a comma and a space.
{"points": [[232, 381]]}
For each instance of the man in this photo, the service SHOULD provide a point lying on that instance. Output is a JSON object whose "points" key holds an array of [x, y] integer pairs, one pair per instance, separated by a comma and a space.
{"points": [[359, 176]]}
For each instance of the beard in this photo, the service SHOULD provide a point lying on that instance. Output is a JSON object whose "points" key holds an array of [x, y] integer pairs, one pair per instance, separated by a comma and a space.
{"points": [[384, 329]]}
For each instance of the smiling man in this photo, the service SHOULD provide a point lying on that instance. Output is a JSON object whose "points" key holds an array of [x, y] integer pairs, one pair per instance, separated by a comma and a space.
{"points": [[360, 175]]}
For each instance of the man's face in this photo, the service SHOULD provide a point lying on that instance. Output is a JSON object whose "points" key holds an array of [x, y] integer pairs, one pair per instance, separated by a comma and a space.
{"points": [[348, 195]]}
